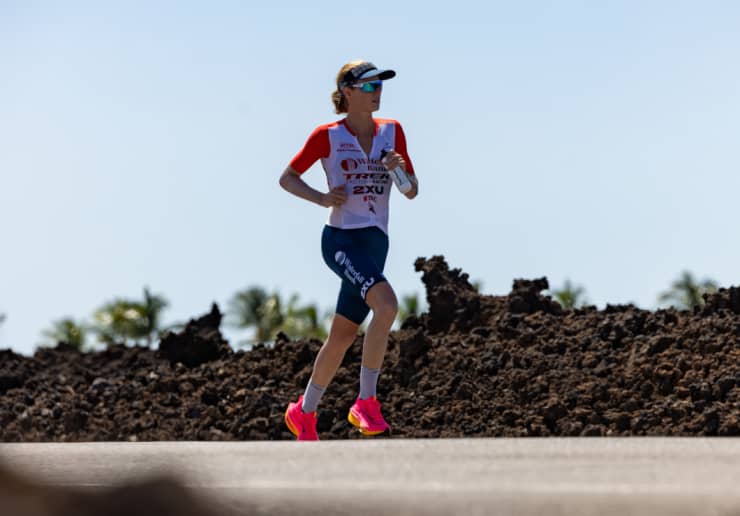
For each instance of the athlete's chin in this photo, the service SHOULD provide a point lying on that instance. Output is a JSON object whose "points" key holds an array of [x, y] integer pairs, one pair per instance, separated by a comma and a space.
{"points": [[376, 106]]}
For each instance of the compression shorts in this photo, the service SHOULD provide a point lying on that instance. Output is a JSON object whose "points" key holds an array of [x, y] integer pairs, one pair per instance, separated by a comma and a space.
{"points": [[358, 257]]}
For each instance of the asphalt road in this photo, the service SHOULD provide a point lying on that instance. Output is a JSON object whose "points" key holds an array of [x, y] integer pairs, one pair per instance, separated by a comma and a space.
{"points": [[605, 476]]}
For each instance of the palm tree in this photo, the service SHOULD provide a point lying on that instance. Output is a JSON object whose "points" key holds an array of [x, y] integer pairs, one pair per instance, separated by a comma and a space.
{"points": [[124, 320], [570, 295], [66, 331], [254, 308], [686, 292], [244, 306], [120, 321], [153, 307], [409, 306], [302, 321], [266, 314]]}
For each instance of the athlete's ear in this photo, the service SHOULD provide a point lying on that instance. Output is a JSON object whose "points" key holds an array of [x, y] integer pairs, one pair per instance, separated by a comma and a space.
{"points": [[347, 92]]}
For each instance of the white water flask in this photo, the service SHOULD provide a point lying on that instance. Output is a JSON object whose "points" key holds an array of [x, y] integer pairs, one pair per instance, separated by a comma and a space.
{"points": [[398, 175]]}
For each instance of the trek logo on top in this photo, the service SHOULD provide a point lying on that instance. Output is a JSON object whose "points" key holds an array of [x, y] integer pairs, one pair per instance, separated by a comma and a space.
{"points": [[362, 174]]}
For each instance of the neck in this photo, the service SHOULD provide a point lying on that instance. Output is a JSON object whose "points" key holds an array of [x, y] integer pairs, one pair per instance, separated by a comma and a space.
{"points": [[361, 122]]}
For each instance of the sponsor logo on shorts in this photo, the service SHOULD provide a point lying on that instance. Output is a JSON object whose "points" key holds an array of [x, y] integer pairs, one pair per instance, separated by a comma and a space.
{"points": [[369, 283], [352, 274]]}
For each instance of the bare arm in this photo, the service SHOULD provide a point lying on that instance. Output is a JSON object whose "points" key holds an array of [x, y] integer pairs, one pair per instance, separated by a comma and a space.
{"points": [[396, 160], [292, 182]]}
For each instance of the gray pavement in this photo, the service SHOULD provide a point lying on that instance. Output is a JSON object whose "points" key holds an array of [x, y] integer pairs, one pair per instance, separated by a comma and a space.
{"points": [[562, 476]]}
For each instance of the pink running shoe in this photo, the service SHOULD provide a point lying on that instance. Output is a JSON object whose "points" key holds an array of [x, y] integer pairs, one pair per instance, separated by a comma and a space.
{"points": [[365, 415], [301, 424]]}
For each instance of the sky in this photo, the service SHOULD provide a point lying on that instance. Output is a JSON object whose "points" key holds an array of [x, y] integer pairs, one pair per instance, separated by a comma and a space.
{"points": [[141, 144]]}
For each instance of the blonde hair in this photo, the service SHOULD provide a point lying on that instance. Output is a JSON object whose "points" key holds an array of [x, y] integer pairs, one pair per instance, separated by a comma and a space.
{"points": [[337, 97]]}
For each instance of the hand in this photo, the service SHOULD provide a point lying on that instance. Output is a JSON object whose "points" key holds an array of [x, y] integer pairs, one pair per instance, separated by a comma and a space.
{"points": [[393, 160], [336, 197]]}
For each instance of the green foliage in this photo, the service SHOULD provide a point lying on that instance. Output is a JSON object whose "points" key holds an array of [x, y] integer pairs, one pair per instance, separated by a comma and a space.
{"points": [[248, 309], [408, 306], [253, 308], [66, 331], [125, 321], [302, 321], [570, 295], [246, 306], [153, 307], [686, 292]]}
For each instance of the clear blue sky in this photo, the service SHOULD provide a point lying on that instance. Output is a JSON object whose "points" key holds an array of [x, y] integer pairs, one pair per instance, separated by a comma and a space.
{"points": [[141, 144]]}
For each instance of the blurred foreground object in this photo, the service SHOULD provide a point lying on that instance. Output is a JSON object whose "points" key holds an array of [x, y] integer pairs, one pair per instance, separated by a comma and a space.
{"points": [[160, 496]]}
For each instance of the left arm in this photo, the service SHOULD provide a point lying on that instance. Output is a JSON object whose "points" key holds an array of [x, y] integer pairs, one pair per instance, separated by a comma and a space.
{"points": [[397, 160], [405, 162], [415, 187]]}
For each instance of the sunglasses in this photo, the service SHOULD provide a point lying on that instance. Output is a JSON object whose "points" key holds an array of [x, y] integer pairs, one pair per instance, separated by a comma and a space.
{"points": [[369, 87]]}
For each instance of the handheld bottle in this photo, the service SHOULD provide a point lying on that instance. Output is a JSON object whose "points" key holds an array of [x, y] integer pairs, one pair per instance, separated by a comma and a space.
{"points": [[397, 174]]}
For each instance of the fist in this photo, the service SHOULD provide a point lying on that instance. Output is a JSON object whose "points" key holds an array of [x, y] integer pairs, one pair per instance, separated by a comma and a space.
{"points": [[393, 160], [335, 197]]}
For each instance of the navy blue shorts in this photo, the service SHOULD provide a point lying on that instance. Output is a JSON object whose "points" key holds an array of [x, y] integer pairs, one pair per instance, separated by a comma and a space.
{"points": [[357, 256]]}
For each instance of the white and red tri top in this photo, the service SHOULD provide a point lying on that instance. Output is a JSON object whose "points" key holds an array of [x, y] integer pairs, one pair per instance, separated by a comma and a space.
{"points": [[345, 163]]}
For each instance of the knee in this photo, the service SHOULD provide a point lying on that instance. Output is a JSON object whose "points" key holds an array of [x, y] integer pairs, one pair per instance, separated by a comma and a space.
{"points": [[386, 307], [339, 344], [340, 340]]}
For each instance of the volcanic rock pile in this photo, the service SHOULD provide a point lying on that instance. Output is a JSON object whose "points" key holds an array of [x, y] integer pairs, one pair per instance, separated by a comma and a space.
{"points": [[473, 365]]}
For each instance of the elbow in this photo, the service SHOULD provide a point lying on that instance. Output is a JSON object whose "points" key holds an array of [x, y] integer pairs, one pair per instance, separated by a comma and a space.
{"points": [[283, 181], [287, 178]]}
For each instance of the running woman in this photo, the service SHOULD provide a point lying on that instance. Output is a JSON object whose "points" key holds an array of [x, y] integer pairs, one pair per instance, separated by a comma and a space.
{"points": [[354, 242]]}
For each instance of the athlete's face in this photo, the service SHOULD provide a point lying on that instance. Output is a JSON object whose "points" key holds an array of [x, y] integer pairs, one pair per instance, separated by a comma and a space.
{"points": [[359, 100]]}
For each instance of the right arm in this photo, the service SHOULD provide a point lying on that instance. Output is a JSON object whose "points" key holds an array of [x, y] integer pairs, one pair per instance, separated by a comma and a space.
{"points": [[316, 147], [292, 182]]}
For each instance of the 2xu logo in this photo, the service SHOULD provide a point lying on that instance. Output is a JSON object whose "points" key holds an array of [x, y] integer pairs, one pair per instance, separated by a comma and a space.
{"points": [[368, 189], [369, 283]]}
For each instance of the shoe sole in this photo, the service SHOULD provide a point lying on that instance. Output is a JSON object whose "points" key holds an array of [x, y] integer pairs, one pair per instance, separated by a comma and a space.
{"points": [[289, 424], [356, 422]]}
